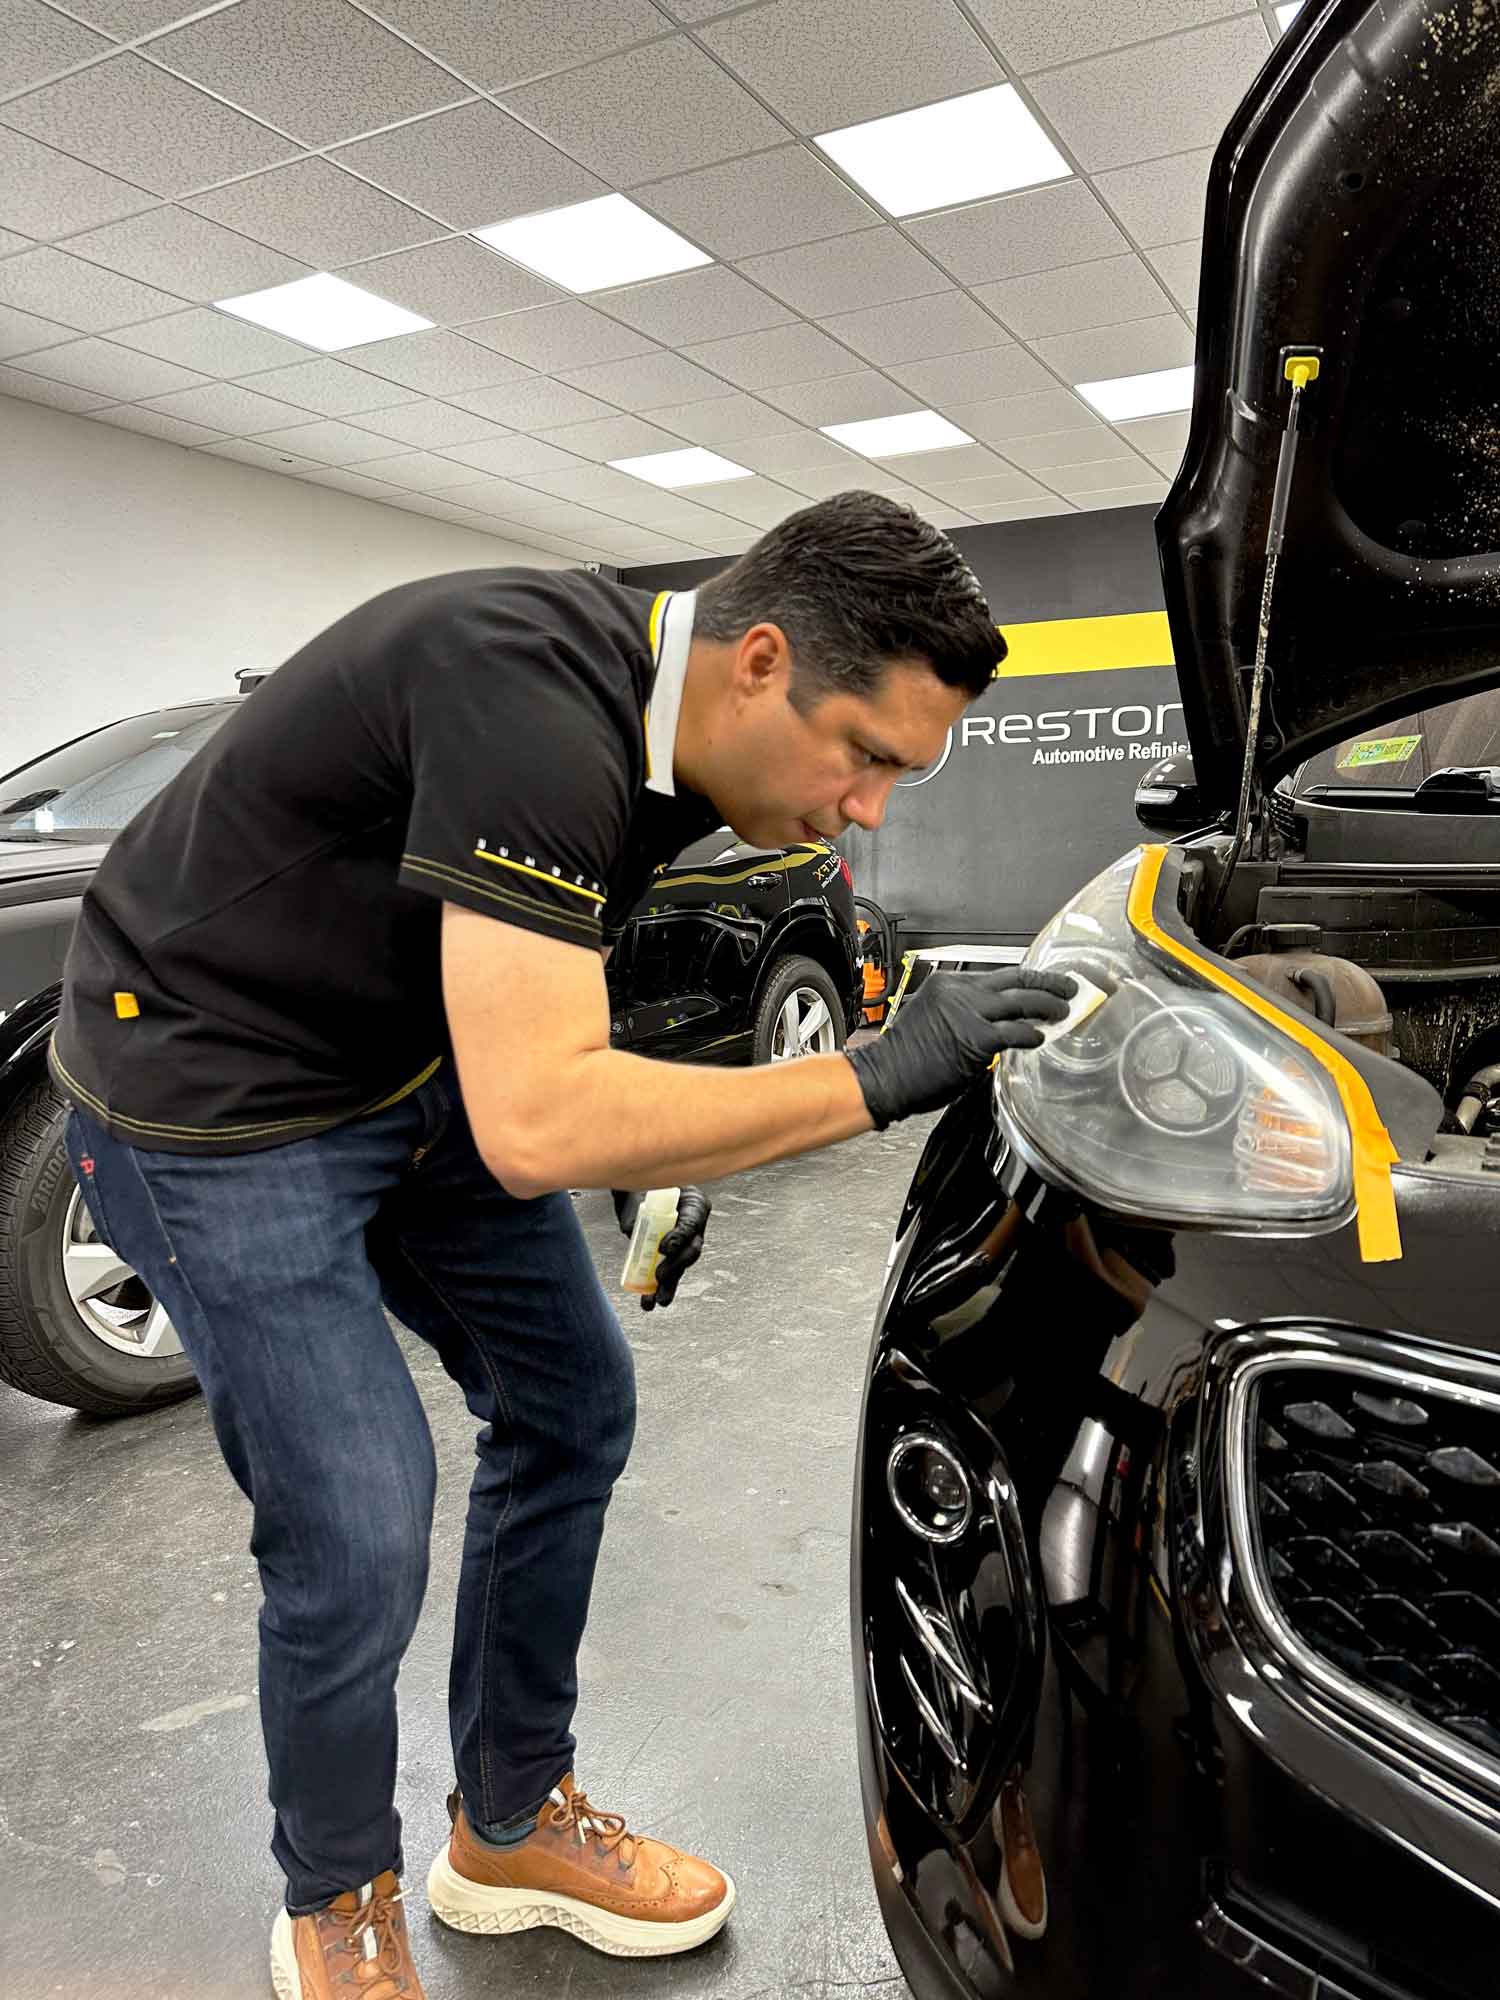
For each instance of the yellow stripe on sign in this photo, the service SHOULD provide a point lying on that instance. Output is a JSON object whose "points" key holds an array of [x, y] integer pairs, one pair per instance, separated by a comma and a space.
{"points": [[552, 881], [1374, 1150], [1086, 645]]}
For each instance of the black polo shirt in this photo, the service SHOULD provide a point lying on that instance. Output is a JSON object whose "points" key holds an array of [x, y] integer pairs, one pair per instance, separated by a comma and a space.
{"points": [[258, 957]]}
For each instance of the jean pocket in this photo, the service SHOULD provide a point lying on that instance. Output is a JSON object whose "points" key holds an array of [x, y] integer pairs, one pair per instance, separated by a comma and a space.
{"points": [[435, 1103]]}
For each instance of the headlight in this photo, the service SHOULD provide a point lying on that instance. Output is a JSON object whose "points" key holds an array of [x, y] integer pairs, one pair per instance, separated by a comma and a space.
{"points": [[1173, 1100]]}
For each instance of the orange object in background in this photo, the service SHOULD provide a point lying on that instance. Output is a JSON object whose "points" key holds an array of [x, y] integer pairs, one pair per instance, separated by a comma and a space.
{"points": [[877, 986]]}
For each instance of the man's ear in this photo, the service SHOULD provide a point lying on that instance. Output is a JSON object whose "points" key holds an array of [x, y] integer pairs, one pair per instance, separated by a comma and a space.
{"points": [[762, 661]]}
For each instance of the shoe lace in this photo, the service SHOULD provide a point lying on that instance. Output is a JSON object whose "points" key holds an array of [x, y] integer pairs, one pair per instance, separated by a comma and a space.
{"points": [[376, 1933], [607, 1828]]}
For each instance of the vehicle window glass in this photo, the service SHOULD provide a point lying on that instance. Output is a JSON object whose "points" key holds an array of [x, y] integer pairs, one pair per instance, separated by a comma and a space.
{"points": [[1397, 756], [720, 845], [91, 789]]}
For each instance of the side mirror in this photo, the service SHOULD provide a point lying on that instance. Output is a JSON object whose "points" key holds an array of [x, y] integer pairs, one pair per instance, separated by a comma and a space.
{"points": [[1167, 799]]}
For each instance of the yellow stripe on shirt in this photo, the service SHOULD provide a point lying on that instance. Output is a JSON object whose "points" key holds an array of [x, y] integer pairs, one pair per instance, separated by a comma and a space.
{"points": [[554, 881]]}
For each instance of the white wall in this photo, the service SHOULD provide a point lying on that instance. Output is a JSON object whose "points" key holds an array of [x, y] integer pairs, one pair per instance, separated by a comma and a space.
{"points": [[134, 572]]}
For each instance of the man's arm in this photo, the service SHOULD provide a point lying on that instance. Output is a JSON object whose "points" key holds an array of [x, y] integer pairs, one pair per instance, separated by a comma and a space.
{"points": [[551, 1105]]}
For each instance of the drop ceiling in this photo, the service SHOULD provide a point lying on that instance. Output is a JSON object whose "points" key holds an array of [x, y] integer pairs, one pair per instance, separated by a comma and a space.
{"points": [[153, 161]]}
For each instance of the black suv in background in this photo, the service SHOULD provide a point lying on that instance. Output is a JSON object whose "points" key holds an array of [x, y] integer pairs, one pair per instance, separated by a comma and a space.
{"points": [[737, 954]]}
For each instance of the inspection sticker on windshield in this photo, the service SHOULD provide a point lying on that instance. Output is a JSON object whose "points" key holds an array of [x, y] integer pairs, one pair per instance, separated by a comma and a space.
{"points": [[1377, 750], [1086, 1000]]}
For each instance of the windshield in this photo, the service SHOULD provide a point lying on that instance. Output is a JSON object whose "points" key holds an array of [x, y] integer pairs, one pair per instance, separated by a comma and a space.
{"points": [[1397, 756], [90, 789]]}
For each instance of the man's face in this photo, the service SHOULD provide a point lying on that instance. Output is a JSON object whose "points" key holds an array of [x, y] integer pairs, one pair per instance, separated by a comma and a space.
{"points": [[809, 773]]}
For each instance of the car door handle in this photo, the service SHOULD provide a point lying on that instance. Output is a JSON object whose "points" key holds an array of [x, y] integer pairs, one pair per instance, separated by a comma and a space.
{"points": [[761, 881]]}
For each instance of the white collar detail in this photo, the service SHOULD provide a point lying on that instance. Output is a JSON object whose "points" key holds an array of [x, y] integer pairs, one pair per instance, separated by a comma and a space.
{"points": [[674, 636]]}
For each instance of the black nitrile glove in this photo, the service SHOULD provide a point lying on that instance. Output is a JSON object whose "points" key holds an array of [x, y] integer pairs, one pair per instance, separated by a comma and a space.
{"points": [[949, 1032], [682, 1245]]}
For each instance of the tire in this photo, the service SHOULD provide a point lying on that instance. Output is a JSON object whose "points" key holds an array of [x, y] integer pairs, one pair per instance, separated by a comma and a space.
{"points": [[804, 981], [113, 1351]]}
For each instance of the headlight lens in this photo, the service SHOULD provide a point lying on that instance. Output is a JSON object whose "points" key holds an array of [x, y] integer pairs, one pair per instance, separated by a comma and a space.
{"points": [[1173, 1100]]}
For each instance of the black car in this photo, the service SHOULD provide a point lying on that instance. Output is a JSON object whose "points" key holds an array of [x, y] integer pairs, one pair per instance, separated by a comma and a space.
{"points": [[738, 954], [1176, 1563]]}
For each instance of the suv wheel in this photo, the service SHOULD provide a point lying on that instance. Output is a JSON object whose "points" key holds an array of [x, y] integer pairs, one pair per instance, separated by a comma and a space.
{"points": [[800, 1013], [77, 1326]]}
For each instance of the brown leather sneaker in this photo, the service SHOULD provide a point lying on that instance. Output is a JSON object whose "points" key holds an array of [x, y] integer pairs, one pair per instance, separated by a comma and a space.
{"points": [[1023, 1880], [355, 1949], [581, 1871]]}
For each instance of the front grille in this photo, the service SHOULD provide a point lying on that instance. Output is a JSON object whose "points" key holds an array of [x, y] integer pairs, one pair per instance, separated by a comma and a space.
{"points": [[1377, 1497]]}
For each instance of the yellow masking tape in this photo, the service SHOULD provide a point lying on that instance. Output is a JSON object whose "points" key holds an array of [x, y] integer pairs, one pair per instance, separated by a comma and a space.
{"points": [[1085, 645], [1374, 1152]]}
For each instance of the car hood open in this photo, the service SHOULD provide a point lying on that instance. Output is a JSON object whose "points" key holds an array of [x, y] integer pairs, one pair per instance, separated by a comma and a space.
{"points": [[1353, 208]]}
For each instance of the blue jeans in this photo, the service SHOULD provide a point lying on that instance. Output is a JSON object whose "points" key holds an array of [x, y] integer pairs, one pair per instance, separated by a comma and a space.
{"points": [[275, 1267]]}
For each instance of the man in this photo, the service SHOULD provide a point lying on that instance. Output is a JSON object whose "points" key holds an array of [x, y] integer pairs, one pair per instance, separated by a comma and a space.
{"points": [[337, 1034]]}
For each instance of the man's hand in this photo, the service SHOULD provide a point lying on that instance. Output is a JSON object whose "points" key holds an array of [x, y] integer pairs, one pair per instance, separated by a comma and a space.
{"points": [[949, 1032], [682, 1245]]}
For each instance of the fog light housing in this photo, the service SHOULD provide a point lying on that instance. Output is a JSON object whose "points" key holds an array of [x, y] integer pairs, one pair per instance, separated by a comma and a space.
{"points": [[929, 1488]]}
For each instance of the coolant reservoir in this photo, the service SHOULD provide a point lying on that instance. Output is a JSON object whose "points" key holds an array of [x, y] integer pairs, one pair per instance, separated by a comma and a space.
{"points": [[1335, 991], [657, 1214]]}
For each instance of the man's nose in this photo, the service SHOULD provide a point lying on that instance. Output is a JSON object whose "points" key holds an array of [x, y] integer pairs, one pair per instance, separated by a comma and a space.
{"points": [[865, 805]]}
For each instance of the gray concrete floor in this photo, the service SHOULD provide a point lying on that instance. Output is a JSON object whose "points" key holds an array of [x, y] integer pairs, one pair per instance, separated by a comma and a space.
{"points": [[716, 1703]]}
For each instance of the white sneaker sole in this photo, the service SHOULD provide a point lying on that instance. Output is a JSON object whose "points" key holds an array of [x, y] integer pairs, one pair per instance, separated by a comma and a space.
{"points": [[473, 1906], [286, 1981]]}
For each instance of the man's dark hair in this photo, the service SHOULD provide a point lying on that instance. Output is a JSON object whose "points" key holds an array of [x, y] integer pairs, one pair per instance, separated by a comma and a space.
{"points": [[856, 582]]}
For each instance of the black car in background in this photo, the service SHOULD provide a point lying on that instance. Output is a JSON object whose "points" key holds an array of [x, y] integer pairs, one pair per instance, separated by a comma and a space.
{"points": [[737, 954], [1176, 1555]]}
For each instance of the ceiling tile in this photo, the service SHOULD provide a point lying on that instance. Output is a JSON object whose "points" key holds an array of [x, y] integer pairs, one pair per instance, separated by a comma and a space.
{"points": [[471, 166], [1076, 480], [684, 517], [1101, 293], [1036, 230], [224, 406], [963, 461], [170, 247], [828, 63], [129, 18], [316, 68], [429, 426], [37, 43], [570, 335], [1136, 348], [36, 389], [151, 423], [47, 193], [451, 282], [134, 120], [1150, 494], [845, 399], [9, 241], [765, 360], [759, 501], [1178, 265], [247, 452], [537, 405], [497, 47], [791, 452], [1090, 443], [1039, 34], [695, 305], [645, 382], [437, 363], [855, 475], [330, 442], [654, 111], [117, 372], [354, 482], [598, 485], [491, 496], [1162, 97], [514, 457], [1160, 201], [24, 333], [996, 420], [1163, 439], [846, 273], [65, 288], [313, 210], [939, 515], [767, 202], [613, 437], [987, 373], [724, 420], [211, 342], [916, 329], [1022, 510], [420, 470], [331, 388]]}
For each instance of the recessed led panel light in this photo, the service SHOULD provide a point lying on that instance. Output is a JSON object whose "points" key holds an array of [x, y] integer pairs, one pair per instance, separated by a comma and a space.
{"points": [[1153, 395], [893, 437], [326, 312], [594, 244], [962, 150], [1287, 13], [694, 467]]}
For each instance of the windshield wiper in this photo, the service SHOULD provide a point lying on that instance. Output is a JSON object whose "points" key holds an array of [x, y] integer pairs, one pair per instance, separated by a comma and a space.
{"points": [[1460, 788]]}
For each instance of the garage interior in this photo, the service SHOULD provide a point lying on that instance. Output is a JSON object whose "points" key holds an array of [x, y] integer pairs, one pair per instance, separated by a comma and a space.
{"points": [[204, 466]]}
